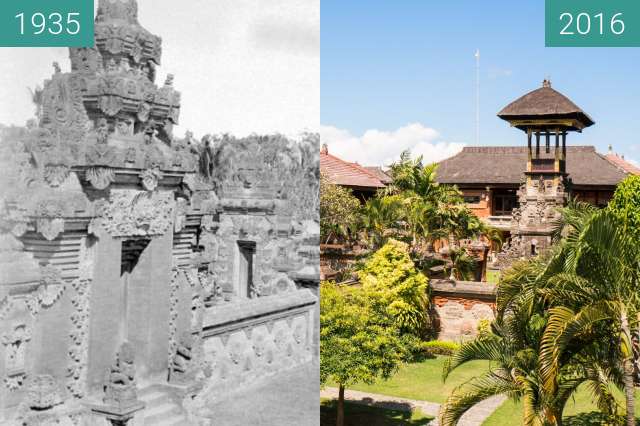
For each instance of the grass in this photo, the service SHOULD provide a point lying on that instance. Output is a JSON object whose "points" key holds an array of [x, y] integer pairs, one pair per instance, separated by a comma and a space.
{"points": [[358, 415], [423, 380], [493, 276], [579, 411]]}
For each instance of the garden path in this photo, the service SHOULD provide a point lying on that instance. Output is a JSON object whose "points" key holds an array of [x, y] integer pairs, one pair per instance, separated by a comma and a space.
{"points": [[474, 417]]}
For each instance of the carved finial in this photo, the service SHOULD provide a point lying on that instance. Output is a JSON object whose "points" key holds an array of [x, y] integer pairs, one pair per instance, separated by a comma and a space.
{"points": [[610, 149], [546, 82], [56, 68], [324, 150], [126, 10], [169, 81]]}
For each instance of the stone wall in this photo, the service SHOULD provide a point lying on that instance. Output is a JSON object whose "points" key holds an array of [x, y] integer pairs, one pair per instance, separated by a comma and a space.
{"points": [[249, 340], [460, 305]]}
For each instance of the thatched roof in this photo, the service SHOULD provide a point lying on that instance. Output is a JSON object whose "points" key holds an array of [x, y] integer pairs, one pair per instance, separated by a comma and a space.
{"points": [[505, 165], [544, 103]]}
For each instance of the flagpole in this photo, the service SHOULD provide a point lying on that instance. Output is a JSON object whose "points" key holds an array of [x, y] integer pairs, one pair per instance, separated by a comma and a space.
{"points": [[477, 55]]}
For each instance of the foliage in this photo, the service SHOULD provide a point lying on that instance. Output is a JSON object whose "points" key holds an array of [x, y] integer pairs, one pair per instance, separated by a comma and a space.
{"points": [[415, 208], [396, 288], [626, 203], [359, 414], [338, 210], [463, 265], [484, 327], [355, 346], [564, 319], [439, 347]]}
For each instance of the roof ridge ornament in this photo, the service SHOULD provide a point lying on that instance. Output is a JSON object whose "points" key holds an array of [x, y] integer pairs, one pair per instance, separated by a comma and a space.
{"points": [[111, 10], [546, 82]]}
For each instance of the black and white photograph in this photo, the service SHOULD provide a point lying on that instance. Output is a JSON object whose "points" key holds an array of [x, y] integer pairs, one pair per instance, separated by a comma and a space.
{"points": [[160, 223]]}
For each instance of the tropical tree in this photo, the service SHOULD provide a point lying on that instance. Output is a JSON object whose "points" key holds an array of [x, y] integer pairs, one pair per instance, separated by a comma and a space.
{"points": [[338, 211], [597, 296], [356, 344], [380, 220], [626, 204], [513, 346]]}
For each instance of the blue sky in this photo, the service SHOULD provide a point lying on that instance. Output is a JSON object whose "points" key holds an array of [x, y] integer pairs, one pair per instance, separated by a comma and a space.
{"points": [[402, 73]]}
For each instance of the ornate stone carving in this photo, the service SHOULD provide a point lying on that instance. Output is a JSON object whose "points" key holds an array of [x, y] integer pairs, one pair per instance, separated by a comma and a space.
{"points": [[120, 383], [15, 343], [278, 284], [173, 312], [150, 178], [101, 177], [79, 338], [50, 228], [55, 175], [133, 213], [43, 393], [184, 367]]}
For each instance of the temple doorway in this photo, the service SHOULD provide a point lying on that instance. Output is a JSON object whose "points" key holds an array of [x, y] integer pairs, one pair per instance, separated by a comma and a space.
{"points": [[245, 267]]}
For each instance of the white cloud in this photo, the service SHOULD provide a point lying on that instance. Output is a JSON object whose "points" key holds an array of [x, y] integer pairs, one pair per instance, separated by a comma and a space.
{"points": [[377, 147], [496, 72]]}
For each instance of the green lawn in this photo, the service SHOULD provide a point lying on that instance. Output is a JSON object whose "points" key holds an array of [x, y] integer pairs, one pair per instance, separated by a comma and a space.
{"points": [[493, 276], [359, 415], [579, 411], [423, 380]]}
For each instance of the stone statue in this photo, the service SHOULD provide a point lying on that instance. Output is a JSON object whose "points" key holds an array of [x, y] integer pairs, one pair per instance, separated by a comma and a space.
{"points": [[206, 157], [102, 131], [120, 383], [56, 68], [183, 365]]}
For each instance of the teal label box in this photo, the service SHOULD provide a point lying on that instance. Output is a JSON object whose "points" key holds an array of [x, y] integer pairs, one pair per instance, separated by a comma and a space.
{"points": [[592, 23], [46, 23]]}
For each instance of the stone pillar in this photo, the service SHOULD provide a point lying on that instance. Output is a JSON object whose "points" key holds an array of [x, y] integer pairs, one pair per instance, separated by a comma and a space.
{"points": [[148, 308], [106, 309]]}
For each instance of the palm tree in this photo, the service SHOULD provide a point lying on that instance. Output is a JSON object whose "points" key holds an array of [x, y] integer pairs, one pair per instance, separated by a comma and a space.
{"points": [[380, 217], [598, 296], [513, 347]]}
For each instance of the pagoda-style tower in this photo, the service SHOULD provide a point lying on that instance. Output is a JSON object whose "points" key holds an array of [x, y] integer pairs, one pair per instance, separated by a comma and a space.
{"points": [[546, 116]]}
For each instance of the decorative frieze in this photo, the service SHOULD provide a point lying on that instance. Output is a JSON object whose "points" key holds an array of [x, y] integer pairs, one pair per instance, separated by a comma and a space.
{"points": [[135, 214], [79, 338]]}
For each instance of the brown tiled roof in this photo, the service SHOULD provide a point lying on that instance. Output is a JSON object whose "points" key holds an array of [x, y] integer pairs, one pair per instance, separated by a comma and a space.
{"points": [[544, 102], [343, 173], [506, 165], [379, 173], [622, 164]]}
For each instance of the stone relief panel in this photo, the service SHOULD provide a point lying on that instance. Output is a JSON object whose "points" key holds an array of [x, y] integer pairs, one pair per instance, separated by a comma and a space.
{"points": [[237, 358], [459, 319], [79, 337], [135, 214]]}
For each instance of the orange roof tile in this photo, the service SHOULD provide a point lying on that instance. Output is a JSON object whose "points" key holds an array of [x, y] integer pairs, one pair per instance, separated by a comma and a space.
{"points": [[622, 164], [343, 173]]}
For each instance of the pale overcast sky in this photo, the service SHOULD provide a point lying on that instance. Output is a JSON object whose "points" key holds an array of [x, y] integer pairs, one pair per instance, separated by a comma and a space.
{"points": [[243, 66]]}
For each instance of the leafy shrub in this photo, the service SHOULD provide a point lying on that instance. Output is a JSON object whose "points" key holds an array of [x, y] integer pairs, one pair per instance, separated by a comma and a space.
{"points": [[626, 203], [484, 327], [396, 288], [439, 347]]}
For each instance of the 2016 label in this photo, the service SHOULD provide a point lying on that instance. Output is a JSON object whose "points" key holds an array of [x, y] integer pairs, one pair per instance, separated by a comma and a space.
{"points": [[582, 24]]}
